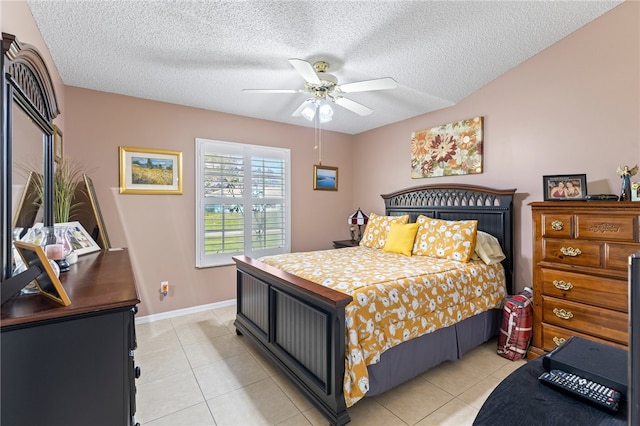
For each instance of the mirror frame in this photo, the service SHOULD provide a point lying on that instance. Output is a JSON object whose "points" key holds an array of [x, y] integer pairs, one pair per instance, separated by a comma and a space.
{"points": [[25, 80]]}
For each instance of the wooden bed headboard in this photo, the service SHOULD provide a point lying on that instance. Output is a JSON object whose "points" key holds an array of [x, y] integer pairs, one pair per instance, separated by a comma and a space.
{"points": [[492, 208]]}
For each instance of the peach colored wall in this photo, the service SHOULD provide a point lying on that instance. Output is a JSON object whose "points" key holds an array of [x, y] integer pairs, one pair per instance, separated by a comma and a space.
{"points": [[573, 108], [159, 230]]}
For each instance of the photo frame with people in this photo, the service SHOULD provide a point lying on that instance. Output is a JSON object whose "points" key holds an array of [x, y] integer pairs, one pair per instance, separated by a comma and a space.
{"points": [[564, 187]]}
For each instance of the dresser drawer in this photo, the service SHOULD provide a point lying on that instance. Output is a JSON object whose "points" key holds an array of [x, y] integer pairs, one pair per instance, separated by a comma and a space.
{"points": [[553, 336], [557, 225], [606, 227], [604, 292], [572, 252], [618, 255], [604, 323]]}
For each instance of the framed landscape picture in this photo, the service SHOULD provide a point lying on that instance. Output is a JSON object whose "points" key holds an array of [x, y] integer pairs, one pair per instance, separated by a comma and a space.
{"points": [[150, 171], [325, 178]]}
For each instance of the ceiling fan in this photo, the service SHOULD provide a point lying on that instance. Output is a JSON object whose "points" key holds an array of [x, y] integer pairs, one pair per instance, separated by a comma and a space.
{"points": [[323, 87]]}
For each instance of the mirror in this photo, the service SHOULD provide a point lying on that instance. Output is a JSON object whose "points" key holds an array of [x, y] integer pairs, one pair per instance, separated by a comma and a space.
{"points": [[29, 106], [28, 160]]}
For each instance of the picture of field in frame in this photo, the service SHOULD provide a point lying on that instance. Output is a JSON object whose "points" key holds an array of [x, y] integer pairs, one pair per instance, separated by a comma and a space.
{"points": [[150, 171]]}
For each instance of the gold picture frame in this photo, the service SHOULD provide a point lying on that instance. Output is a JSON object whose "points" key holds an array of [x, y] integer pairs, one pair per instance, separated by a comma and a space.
{"points": [[30, 203], [150, 171], [47, 281], [57, 144], [325, 178], [98, 229]]}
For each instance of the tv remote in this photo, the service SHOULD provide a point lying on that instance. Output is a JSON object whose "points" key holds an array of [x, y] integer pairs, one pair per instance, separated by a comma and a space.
{"points": [[581, 388]]}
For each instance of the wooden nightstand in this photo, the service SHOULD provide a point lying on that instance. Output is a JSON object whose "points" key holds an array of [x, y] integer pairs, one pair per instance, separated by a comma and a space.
{"points": [[345, 243]]}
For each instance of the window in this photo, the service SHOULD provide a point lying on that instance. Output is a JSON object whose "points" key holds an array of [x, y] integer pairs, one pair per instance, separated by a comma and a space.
{"points": [[242, 201]]}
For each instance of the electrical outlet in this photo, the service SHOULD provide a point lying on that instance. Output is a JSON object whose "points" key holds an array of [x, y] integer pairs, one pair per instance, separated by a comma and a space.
{"points": [[164, 288]]}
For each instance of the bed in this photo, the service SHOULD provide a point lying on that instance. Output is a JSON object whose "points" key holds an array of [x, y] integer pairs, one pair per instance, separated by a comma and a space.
{"points": [[301, 325]]}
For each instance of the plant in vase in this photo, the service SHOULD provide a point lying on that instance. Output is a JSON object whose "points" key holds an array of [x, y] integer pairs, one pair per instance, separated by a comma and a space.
{"points": [[66, 178]]}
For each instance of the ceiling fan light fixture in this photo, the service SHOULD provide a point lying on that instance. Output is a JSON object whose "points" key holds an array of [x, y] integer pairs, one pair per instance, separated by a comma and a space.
{"points": [[309, 111], [326, 112], [322, 108]]}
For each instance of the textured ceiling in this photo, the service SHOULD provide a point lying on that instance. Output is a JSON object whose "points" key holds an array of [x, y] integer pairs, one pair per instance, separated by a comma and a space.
{"points": [[203, 53]]}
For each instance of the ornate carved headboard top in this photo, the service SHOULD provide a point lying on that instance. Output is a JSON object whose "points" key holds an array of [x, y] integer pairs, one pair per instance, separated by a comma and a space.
{"points": [[492, 208]]}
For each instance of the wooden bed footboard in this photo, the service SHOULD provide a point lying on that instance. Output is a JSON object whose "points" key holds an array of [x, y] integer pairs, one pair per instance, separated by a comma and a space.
{"points": [[300, 326]]}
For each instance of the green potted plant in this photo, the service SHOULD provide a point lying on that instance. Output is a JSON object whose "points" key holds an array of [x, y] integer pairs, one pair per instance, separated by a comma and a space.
{"points": [[67, 176]]}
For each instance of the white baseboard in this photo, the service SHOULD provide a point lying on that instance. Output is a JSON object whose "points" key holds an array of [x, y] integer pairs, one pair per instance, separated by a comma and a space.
{"points": [[185, 311]]}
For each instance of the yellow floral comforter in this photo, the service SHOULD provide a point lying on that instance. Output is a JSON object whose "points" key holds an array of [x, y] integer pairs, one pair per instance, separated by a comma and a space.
{"points": [[395, 298]]}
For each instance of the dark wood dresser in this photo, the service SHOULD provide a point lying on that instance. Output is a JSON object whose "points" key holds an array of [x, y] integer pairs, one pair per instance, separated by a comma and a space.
{"points": [[73, 365], [580, 271]]}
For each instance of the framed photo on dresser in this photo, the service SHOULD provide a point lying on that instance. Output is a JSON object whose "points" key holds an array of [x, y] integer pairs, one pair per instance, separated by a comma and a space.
{"points": [[564, 187]]}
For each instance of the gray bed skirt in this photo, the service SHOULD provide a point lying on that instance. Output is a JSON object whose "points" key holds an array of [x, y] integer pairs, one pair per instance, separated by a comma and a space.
{"points": [[406, 361]]}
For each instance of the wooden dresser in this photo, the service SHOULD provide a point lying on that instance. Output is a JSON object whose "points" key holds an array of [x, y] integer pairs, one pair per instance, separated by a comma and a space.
{"points": [[73, 365], [580, 271]]}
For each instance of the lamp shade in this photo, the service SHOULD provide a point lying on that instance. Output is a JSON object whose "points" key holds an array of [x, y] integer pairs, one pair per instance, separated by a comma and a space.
{"points": [[322, 108], [309, 111], [326, 112], [358, 218]]}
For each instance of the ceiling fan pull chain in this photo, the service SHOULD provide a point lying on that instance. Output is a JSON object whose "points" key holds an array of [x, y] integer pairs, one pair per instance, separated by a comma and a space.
{"points": [[318, 124]]}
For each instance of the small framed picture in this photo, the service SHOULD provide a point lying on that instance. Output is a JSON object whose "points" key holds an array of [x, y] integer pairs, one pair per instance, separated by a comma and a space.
{"points": [[564, 187], [57, 144], [635, 191], [81, 241], [47, 281], [150, 171], [325, 178]]}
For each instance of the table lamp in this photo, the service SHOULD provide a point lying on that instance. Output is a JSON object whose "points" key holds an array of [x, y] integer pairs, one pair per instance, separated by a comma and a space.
{"points": [[357, 218]]}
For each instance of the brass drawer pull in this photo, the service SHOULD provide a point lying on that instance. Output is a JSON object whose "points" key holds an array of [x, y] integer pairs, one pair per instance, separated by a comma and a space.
{"points": [[570, 251], [562, 314], [558, 340], [562, 285], [557, 225]]}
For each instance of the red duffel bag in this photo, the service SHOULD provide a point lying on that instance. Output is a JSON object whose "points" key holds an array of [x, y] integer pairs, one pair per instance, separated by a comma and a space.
{"points": [[516, 327]]}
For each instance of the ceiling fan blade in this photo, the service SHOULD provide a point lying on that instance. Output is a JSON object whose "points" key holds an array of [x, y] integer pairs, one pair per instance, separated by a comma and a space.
{"points": [[362, 86], [298, 111], [305, 69], [271, 91], [352, 105]]}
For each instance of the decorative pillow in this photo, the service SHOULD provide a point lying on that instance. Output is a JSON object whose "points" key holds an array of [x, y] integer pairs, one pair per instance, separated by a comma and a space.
{"points": [[445, 239], [375, 234], [400, 238], [488, 249]]}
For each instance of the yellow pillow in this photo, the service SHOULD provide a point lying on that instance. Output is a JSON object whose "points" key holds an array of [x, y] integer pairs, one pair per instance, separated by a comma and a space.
{"points": [[400, 238], [445, 239], [375, 234]]}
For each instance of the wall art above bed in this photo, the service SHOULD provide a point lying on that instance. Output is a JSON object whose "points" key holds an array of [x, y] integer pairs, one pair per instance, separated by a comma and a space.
{"points": [[451, 149]]}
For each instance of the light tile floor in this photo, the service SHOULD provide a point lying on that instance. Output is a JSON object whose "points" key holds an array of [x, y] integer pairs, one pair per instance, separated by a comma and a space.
{"points": [[197, 371]]}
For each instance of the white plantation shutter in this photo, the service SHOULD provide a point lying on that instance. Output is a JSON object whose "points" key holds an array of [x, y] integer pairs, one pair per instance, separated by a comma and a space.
{"points": [[242, 201]]}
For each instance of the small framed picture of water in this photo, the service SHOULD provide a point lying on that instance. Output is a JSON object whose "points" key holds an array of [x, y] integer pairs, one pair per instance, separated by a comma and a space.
{"points": [[150, 171], [325, 178]]}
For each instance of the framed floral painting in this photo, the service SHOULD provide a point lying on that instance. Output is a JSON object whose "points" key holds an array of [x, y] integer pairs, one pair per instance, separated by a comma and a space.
{"points": [[450, 149]]}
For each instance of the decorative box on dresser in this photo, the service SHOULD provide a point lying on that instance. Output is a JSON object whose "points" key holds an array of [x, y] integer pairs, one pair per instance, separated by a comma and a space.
{"points": [[73, 365], [580, 271]]}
